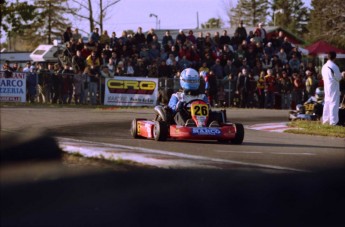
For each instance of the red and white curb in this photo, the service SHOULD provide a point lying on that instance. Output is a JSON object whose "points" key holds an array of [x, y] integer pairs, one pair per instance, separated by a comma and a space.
{"points": [[271, 127]]}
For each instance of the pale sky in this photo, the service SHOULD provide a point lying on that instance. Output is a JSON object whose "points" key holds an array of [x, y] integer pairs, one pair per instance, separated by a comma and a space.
{"points": [[172, 14]]}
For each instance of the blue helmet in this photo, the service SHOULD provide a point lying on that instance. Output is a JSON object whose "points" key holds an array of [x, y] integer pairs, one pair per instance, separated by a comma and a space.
{"points": [[189, 79]]}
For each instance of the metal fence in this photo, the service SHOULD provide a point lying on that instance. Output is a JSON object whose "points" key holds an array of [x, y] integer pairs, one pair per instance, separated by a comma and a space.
{"points": [[44, 86], [52, 90]]}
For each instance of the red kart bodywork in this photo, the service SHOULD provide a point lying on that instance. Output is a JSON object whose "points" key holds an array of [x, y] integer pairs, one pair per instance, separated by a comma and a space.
{"points": [[145, 128], [160, 130]]}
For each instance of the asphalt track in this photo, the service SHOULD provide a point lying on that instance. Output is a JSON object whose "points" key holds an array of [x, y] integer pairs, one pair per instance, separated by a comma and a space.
{"points": [[105, 132], [272, 179]]}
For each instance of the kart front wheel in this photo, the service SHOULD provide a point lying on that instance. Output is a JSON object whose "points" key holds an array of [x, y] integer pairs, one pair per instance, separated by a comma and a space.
{"points": [[239, 136], [160, 131], [134, 128]]}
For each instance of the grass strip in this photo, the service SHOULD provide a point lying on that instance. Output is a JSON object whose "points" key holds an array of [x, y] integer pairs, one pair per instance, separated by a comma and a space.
{"points": [[316, 128]]}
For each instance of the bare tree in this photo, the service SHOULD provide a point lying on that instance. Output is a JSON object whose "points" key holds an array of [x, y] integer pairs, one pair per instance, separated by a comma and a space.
{"points": [[89, 8]]}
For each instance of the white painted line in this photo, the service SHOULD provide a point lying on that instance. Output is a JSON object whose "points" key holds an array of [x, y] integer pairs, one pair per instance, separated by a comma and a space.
{"points": [[239, 152], [259, 152], [306, 154], [97, 151]]}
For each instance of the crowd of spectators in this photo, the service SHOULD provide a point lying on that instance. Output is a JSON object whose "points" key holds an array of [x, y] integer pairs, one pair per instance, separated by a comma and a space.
{"points": [[245, 69]]}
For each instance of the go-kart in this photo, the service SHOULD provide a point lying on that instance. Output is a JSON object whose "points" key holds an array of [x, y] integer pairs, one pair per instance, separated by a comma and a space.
{"points": [[309, 111], [198, 127]]}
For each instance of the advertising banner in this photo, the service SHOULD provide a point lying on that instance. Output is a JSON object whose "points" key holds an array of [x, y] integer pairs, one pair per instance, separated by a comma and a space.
{"points": [[13, 89], [128, 91]]}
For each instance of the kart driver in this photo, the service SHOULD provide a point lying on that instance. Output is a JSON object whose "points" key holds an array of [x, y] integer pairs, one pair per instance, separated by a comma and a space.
{"points": [[318, 97], [316, 101], [190, 82]]}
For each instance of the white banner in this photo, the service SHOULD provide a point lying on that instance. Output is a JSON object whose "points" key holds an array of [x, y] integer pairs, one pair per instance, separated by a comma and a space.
{"points": [[13, 89], [131, 91]]}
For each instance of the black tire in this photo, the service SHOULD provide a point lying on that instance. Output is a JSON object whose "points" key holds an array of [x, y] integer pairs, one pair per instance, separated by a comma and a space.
{"points": [[239, 134], [134, 129], [160, 131]]}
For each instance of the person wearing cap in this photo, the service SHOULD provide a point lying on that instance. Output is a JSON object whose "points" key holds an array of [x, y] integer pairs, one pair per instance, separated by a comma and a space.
{"points": [[331, 77]]}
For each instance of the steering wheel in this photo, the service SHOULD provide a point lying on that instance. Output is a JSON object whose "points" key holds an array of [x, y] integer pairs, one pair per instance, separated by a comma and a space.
{"points": [[185, 105]]}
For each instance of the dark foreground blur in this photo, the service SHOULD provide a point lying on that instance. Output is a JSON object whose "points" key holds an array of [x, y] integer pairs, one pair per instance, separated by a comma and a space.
{"points": [[37, 189]]}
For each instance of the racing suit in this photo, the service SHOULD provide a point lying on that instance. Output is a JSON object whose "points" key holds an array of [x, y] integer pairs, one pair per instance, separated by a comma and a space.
{"points": [[331, 77], [177, 101]]}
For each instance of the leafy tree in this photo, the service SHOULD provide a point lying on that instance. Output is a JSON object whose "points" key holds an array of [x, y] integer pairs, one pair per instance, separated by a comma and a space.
{"points": [[212, 23], [16, 18], [290, 14], [327, 21], [37, 23], [53, 21], [250, 11]]}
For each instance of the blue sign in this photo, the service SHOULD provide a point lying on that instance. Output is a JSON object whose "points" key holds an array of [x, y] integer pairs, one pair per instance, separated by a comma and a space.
{"points": [[206, 131]]}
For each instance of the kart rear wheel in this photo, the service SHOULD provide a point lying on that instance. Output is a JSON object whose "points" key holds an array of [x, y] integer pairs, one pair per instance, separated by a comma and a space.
{"points": [[160, 131], [134, 128], [239, 136]]}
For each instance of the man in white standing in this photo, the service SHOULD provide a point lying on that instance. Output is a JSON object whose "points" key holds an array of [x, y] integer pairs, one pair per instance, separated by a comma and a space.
{"points": [[331, 77]]}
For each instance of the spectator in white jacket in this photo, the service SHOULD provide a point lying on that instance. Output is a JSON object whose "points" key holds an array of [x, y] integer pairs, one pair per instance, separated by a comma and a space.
{"points": [[331, 77]]}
